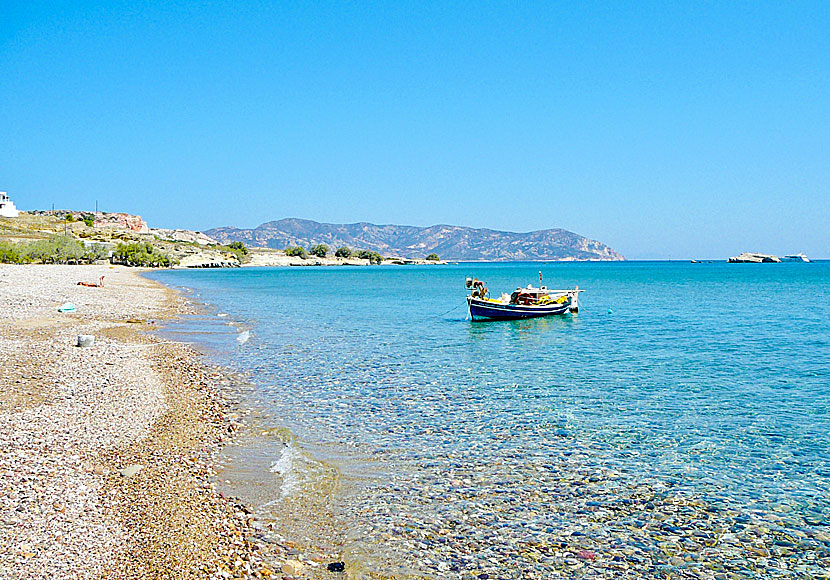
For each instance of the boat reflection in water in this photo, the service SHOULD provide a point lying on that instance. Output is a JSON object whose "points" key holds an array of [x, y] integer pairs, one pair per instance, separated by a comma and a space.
{"points": [[528, 302]]}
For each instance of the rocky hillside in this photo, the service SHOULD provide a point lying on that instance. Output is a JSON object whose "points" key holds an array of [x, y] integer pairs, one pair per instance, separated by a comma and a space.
{"points": [[109, 229], [449, 242]]}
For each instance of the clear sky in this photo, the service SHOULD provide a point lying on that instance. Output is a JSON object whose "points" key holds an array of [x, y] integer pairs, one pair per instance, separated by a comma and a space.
{"points": [[664, 129]]}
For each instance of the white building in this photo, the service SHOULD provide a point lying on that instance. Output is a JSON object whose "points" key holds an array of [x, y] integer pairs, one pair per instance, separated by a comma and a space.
{"points": [[7, 208]]}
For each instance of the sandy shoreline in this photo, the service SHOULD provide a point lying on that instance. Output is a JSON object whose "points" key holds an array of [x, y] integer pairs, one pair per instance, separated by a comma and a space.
{"points": [[106, 453]]}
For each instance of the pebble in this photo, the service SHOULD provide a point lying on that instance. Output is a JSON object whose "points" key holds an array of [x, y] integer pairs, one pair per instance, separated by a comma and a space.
{"points": [[131, 470], [292, 567]]}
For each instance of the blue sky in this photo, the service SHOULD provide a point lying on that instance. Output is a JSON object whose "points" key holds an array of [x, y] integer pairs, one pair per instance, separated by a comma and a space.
{"points": [[666, 130]]}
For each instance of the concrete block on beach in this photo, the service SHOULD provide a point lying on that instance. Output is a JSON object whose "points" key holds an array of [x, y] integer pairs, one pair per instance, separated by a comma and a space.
{"points": [[86, 340]]}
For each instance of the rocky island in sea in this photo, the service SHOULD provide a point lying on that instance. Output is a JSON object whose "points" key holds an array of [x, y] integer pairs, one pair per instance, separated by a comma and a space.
{"points": [[753, 258]]}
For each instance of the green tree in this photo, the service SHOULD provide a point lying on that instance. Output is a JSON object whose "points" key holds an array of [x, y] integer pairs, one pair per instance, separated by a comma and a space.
{"points": [[239, 246], [69, 217], [373, 257], [343, 252], [297, 251], [10, 253], [95, 252], [433, 258], [320, 250], [237, 250], [140, 254], [89, 220], [55, 250]]}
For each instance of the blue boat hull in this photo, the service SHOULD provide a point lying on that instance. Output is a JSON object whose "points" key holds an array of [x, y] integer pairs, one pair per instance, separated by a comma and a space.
{"points": [[484, 310]]}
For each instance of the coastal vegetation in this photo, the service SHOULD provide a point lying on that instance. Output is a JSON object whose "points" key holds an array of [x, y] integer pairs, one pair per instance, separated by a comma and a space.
{"points": [[237, 249], [373, 257], [320, 250], [239, 246], [433, 258], [296, 251], [56, 249], [140, 254], [9, 253]]}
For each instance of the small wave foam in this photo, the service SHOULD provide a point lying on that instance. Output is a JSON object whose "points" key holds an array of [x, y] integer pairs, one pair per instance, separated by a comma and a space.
{"points": [[243, 337], [290, 466]]}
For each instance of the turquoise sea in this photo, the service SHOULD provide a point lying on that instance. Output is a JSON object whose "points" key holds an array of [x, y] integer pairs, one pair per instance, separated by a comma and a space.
{"points": [[677, 426]]}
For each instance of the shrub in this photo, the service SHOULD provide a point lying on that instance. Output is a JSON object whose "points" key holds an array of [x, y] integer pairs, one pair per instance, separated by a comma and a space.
{"points": [[433, 258], [55, 250], [237, 249], [343, 252], [89, 220], [320, 250], [10, 253], [373, 257], [95, 252], [298, 251], [239, 246], [69, 217], [140, 254]]}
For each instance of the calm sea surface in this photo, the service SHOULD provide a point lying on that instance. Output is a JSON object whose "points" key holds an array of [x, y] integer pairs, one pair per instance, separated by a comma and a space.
{"points": [[676, 426]]}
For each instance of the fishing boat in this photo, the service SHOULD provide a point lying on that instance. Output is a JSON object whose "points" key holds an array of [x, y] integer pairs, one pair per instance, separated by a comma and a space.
{"points": [[795, 258], [528, 302]]}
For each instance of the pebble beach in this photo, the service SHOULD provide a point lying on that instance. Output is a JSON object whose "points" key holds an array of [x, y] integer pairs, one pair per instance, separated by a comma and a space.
{"points": [[106, 452]]}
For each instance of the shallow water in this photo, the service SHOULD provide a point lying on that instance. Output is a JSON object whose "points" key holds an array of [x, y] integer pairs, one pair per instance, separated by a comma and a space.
{"points": [[677, 426]]}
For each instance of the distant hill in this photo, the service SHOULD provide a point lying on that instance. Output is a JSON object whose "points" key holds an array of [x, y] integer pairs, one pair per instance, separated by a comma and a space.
{"points": [[449, 242]]}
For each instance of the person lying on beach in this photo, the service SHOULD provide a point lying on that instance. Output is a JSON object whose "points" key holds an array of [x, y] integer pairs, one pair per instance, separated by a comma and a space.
{"points": [[100, 283]]}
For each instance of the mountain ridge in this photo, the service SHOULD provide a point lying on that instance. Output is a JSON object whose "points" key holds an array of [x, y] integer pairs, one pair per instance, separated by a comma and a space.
{"points": [[448, 241]]}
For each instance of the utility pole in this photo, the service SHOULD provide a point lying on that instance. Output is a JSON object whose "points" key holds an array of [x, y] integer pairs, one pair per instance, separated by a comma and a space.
{"points": [[96, 206]]}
